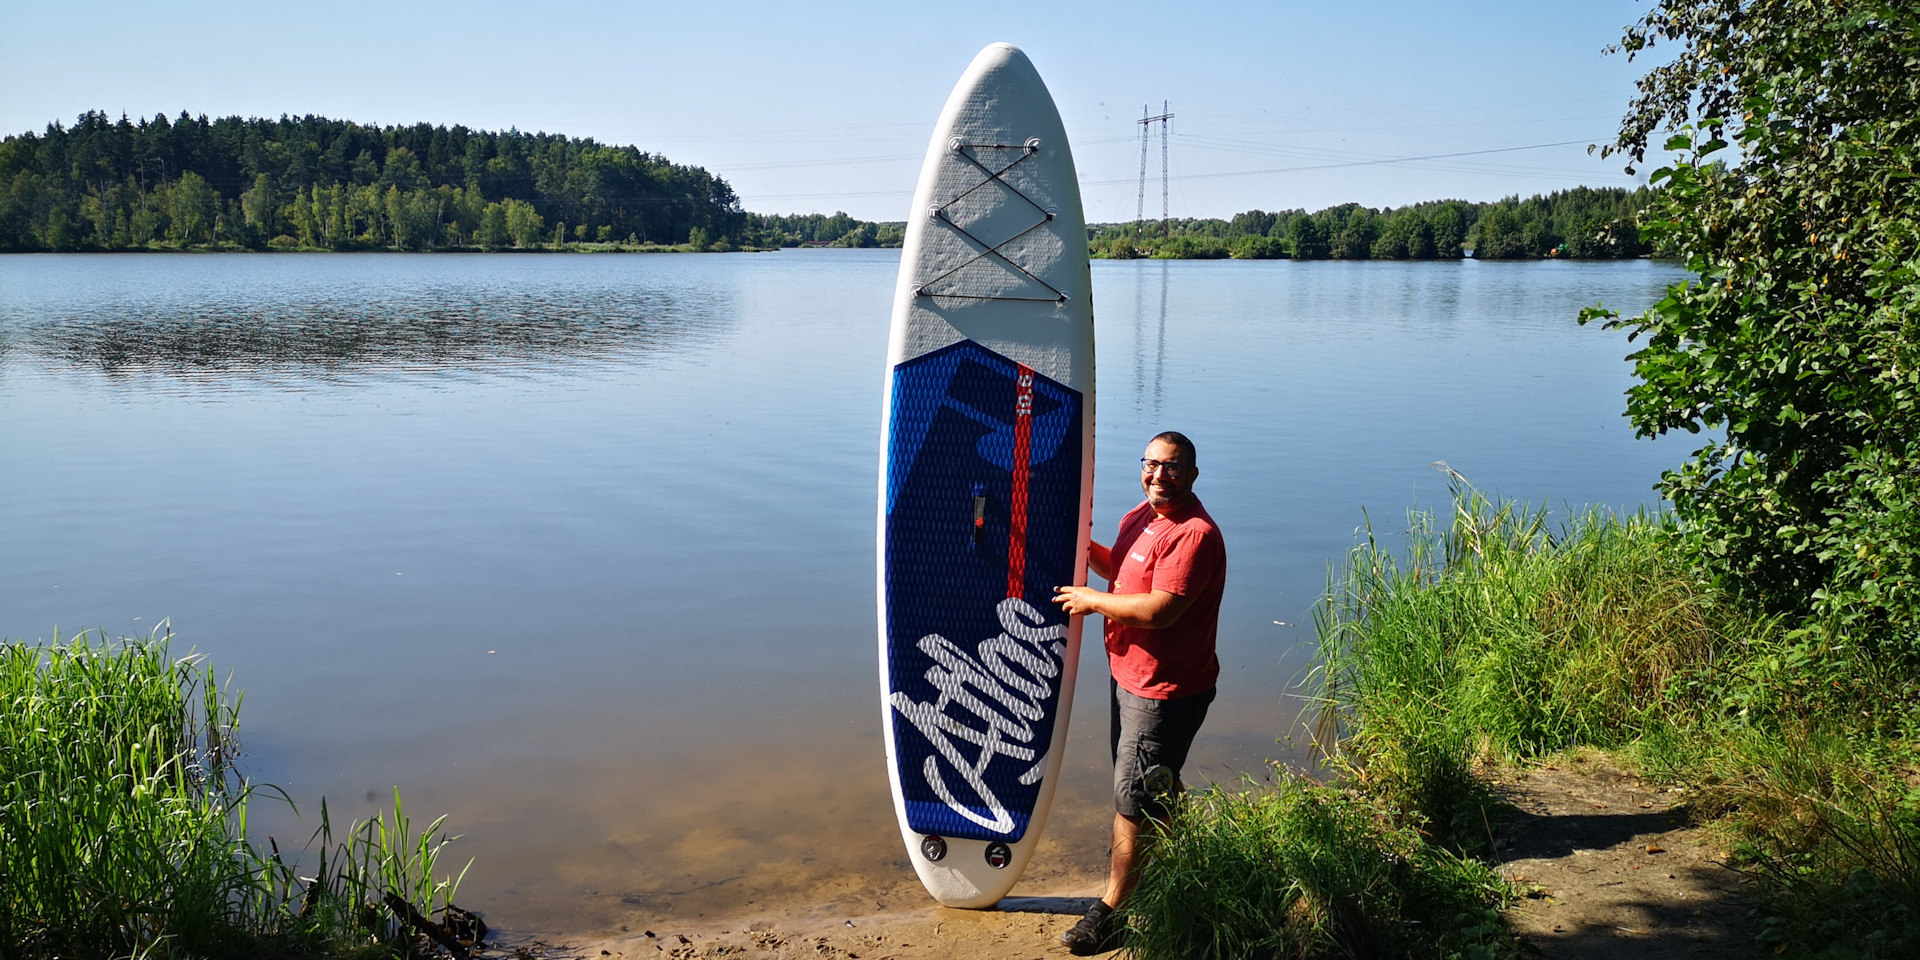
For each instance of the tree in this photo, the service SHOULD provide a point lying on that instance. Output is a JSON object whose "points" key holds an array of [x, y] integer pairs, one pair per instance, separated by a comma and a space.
{"points": [[1504, 232], [367, 211], [408, 232], [1256, 222], [1450, 223], [1352, 232], [402, 170], [1255, 247], [1801, 336], [365, 168], [1406, 235], [1420, 240], [493, 231], [1307, 238], [260, 205], [864, 235], [194, 205], [523, 224], [61, 232]]}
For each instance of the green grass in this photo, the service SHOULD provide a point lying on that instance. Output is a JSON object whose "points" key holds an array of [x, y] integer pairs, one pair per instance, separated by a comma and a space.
{"points": [[1297, 869], [1497, 635], [123, 823], [1522, 638]]}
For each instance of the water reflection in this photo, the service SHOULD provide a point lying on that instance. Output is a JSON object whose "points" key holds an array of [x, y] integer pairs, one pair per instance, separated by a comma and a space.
{"points": [[1160, 345], [287, 332], [1147, 387]]}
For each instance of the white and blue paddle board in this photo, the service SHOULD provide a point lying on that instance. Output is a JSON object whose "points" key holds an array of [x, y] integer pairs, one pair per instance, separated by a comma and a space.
{"points": [[986, 482]]}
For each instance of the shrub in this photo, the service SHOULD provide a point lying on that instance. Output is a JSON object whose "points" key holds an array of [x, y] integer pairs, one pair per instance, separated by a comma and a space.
{"points": [[1798, 339], [1254, 247]]}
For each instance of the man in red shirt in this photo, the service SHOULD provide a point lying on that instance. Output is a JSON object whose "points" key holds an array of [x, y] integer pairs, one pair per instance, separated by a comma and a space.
{"points": [[1167, 567]]}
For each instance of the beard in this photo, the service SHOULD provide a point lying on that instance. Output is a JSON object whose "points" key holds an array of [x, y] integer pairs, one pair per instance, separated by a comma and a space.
{"points": [[1164, 496]]}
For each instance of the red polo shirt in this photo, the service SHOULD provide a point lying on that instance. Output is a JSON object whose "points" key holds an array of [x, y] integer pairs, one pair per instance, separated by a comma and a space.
{"points": [[1183, 554]]}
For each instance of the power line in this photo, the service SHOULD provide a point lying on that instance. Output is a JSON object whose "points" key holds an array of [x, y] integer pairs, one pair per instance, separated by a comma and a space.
{"points": [[1305, 155], [1140, 205], [1359, 163]]}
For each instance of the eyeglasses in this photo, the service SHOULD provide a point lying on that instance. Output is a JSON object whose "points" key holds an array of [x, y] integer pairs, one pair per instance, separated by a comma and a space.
{"points": [[1168, 467]]}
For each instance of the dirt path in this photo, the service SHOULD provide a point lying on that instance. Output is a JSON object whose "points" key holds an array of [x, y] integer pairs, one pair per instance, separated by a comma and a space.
{"points": [[1615, 869]]}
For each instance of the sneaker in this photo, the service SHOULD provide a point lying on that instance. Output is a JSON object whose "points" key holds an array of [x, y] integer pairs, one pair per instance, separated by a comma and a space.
{"points": [[1095, 933]]}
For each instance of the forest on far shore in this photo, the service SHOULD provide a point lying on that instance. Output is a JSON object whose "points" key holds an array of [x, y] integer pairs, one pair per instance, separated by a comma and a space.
{"points": [[312, 183], [316, 183], [1583, 223]]}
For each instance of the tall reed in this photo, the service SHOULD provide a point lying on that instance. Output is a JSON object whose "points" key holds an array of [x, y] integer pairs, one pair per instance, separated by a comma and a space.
{"points": [[123, 821], [1499, 632], [1505, 629]]}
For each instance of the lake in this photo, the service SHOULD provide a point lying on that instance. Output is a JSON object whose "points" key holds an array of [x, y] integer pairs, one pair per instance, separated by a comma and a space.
{"points": [[579, 549]]}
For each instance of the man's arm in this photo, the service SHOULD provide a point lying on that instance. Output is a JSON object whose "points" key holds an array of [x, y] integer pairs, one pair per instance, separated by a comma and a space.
{"points": [[1100, 559], [1156, 610]]}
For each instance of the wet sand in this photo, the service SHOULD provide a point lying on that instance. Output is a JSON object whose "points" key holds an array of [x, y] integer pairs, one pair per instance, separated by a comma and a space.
{"points": [[763, 891], [1019, 927]]}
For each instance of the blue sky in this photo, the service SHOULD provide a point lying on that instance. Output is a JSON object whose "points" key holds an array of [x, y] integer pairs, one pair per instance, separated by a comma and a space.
{"points": [[828, 106]]}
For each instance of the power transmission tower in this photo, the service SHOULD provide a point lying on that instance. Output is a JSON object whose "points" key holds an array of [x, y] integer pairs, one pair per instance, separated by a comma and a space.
{"points": [[1146, 133], [1140, 207]]}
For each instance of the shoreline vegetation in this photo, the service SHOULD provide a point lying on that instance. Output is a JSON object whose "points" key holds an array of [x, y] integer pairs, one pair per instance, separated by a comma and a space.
{"points": [[314, 184], [1494, 639], [123, 826]]}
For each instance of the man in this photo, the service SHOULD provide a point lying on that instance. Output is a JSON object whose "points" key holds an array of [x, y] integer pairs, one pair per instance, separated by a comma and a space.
{"points": [[1167, 567]]}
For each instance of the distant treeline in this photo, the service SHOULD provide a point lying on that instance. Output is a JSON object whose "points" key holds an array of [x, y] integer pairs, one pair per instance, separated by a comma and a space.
{"points": [[839, 230], [1582, 223], [315, 183], [312, 182]]}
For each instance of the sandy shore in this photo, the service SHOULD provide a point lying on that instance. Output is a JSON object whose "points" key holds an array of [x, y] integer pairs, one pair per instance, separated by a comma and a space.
{"points": [[1019, 927], [885, 914], [834, 883]]}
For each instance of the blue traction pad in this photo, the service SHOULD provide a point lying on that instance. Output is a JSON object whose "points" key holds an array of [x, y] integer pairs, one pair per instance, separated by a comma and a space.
{"points": [[975, 673]]}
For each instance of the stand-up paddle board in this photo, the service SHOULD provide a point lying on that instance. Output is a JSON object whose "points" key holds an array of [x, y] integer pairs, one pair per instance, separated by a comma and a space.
{"points": [[986, 482]]}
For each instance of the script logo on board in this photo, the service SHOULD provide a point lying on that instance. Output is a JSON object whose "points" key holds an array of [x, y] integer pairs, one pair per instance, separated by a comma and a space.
{"points": [[987, 703]]}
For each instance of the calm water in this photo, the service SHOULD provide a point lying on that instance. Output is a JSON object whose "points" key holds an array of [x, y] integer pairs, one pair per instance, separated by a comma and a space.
{"points": [[578, 549]]}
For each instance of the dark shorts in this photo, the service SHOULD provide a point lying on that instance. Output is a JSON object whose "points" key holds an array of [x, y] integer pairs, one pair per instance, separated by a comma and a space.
{"points": [[1148, 733]]}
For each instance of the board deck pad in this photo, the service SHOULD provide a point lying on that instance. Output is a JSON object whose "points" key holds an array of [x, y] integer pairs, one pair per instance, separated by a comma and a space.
{"points": [[986, 482], [981, 508]]}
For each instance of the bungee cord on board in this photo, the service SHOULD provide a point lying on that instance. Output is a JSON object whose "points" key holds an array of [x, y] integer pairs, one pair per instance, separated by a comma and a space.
{"points": [[939, 214]]}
